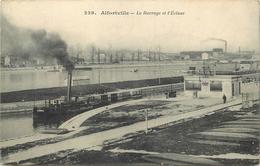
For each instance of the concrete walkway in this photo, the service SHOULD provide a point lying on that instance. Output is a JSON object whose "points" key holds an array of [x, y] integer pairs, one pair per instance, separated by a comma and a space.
{"points": [[36, 137], [97, 139], [75, 122]]}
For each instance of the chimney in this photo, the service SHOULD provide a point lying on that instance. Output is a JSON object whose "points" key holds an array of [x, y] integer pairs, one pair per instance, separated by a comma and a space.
{"points": [[69, 79]]}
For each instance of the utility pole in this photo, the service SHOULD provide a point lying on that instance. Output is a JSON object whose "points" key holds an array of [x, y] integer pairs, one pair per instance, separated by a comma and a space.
{"points": [[98, 56], [92, 55], [99, 76], [149, 55], [111, 58], [117, 59], [79, 53], [138, 55], [77, 58], [133, 57], [159, 53], [122, 57], [225, 46], [105, 59]]}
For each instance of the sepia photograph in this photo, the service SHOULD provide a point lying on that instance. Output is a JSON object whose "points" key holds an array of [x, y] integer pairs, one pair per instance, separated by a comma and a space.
{"points": [[130, 82]]}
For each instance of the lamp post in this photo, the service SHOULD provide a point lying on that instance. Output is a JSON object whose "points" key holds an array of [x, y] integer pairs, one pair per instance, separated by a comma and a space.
{"points": [[98, 76], [159, 79], [146, 121]]}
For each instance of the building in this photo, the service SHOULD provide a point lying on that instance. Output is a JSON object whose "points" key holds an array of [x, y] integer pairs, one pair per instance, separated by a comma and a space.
{"points": [[5, 61], [195, 55], [218, 50], [39, 61], [204, 56], [186, 57], [246, 65], [213, 86], [217, 53], [226, 67]]}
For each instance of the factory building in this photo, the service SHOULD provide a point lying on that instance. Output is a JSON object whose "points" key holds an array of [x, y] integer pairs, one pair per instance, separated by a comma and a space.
{"points": [[5, 61]]}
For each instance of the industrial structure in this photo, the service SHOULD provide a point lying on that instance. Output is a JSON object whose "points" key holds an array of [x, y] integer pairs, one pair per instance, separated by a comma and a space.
{"points": [[217, 79], [213, 86]]}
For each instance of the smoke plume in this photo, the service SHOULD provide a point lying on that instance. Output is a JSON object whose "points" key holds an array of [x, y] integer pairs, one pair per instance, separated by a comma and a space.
{"points": [[51, 45], [24, 44]]}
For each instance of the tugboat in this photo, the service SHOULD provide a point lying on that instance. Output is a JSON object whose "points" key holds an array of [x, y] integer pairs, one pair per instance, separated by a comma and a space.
{"points": [[62, 109]]}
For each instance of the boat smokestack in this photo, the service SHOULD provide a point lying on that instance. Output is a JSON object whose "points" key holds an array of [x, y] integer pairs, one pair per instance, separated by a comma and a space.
{"points": [[69, 80]]}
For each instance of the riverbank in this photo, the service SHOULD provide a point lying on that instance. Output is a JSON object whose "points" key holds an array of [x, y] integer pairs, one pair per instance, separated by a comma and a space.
{"points": [[19, 107], [52, 93], [141, 64], [105, 65], [97, 140], [176, 144]]}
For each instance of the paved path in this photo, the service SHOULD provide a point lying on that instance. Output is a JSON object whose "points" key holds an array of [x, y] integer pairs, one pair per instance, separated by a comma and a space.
{"points": [[36, 137], [75, 122], [97, 139]]}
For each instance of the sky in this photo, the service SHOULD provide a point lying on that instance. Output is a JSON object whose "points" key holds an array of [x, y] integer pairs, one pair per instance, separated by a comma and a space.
{"points": [[236, 21]]}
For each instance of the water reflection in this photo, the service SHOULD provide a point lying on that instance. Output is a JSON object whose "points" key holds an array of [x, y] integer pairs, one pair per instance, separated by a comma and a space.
{"points": [[50, 121], [16, 125], [20, 125]]}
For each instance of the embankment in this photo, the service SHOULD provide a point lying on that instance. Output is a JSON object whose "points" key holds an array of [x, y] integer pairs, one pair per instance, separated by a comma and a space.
{"points": [[51, 93]]}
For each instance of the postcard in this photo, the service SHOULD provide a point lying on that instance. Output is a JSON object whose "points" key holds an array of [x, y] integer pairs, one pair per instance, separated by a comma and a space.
{"points": [[136, 83]]}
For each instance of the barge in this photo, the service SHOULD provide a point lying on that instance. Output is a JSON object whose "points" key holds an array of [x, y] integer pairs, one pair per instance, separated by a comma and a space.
{"points": [[59, 110]]}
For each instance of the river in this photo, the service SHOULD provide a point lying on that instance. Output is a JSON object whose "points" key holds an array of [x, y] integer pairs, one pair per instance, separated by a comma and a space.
{"points": [[15, 80]]}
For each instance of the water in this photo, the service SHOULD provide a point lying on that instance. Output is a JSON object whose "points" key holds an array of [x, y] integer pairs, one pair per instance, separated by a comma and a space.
{"points": [[33, 79], [21, 125], [17, 125]]}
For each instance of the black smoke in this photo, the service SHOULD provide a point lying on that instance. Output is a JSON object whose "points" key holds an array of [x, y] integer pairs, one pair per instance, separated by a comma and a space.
{"points": [[25, 43], [51, 45]]}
